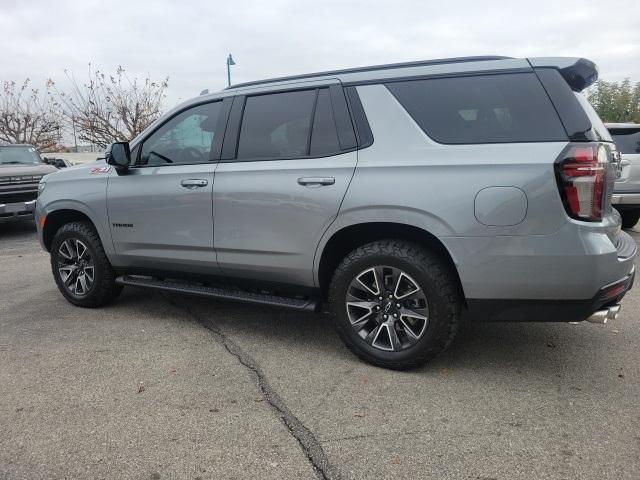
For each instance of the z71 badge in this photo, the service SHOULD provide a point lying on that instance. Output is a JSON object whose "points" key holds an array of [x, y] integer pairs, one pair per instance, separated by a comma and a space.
{"points": [[100, 170]]}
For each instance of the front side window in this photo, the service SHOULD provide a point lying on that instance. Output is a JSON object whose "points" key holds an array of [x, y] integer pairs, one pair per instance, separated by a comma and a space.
{"points": [[186, 138], [500, 108]]}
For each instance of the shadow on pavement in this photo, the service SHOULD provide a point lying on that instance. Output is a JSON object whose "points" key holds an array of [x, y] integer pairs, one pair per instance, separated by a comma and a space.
{"points": [[525, 348], [10, 229]]}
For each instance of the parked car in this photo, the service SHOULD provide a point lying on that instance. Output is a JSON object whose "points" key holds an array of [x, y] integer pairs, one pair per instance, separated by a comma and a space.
{"points": [[407, 196], [21, 168], [626, 193], [58, 162]]}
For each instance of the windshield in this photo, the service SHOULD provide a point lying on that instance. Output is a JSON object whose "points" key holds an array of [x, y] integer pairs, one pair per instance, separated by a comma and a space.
{"points": [[19, 156]]}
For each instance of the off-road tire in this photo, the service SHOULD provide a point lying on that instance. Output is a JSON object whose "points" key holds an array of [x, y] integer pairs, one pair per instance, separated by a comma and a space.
{"points": [[435, 278], [104, 289]]}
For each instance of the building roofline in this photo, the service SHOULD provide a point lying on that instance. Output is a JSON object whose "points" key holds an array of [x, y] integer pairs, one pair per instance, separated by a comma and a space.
{"points": [[372, 68]]}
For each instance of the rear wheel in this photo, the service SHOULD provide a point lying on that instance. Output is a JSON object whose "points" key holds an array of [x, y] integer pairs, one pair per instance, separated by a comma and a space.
{"points": [[630, 218], [81, 268], [395, 304]]}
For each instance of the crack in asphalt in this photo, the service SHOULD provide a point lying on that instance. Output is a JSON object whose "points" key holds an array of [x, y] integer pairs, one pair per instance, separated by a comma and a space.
{"points": [[305, 438]]}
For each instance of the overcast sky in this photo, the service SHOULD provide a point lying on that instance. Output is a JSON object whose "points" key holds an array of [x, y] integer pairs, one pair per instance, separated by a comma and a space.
{"points": [[189, 40]]}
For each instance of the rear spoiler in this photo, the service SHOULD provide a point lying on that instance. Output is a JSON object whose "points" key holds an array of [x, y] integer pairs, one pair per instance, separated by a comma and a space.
{"points": [[579, 73]]}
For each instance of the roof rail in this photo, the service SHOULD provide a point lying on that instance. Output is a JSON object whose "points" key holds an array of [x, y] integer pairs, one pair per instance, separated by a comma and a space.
{"points": [[371, 68]]}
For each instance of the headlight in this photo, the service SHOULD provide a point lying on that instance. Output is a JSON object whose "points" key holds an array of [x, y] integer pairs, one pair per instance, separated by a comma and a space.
{"points": [[41, 186]]}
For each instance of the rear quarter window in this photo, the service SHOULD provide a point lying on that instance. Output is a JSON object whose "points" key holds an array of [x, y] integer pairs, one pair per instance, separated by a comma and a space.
{"points": [[600, 131], [501, 108]]}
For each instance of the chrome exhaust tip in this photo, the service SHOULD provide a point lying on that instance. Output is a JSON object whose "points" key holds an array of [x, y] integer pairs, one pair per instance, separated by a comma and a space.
{"points": [[613, 312], [604, 315], [601, 317]]}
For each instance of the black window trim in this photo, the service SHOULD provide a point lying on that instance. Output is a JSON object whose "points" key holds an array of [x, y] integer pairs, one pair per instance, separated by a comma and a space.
{"points": [[475, 74], [216, 147], [232, 134], [575, 120], [364, 135], [312, 121]]}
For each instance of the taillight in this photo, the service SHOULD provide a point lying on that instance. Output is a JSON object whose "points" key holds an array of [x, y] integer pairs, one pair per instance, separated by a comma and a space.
{"points": [[581, 174]]}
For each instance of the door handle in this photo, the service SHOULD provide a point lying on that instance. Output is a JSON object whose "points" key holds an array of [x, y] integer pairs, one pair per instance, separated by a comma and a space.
{"points": [[194, 183], [317, 181]]}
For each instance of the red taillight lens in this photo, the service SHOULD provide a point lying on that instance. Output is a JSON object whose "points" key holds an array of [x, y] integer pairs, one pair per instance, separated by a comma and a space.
{"points": [[581, 177]]}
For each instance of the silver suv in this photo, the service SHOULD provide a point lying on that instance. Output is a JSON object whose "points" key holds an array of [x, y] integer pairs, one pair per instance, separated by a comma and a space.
{"points": [[626, 193], [407, 196]]}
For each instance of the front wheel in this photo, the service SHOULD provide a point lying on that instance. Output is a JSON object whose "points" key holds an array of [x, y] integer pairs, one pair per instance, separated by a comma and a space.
{"points": [[80, 267], [395, 304]]}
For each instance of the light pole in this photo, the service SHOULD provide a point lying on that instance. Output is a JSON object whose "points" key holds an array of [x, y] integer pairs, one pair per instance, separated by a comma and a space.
{"points": [[229, 63]]}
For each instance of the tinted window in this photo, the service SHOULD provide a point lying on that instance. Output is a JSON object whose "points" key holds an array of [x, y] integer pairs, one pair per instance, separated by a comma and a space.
{"points": [[627, 139], [324, 137], [186, 138], [276, 125], [481, 109]]}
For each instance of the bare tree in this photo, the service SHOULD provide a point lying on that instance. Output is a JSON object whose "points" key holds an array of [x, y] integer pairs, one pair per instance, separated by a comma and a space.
{"points": [[28, 115], [109, 108]]}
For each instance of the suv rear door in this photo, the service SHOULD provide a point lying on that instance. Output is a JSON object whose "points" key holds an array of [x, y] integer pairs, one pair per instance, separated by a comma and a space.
{"points": [[287, 159], [160, 209]]}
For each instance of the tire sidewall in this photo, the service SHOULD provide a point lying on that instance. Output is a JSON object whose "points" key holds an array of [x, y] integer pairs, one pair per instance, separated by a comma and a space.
{"points": [[65, 234], [436, 319]]}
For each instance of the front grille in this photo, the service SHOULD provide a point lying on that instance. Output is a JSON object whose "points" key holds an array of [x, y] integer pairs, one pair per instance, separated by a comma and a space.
{"points": [[19, 179], [17, 197]]}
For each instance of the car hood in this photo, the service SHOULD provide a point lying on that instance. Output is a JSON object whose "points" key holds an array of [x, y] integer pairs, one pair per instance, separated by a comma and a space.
{"points": [[35, 169], [82, 170]]}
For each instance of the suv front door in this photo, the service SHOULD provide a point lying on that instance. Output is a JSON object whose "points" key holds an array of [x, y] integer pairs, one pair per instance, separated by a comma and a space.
{"points": [[286, 163], [160, 209]]}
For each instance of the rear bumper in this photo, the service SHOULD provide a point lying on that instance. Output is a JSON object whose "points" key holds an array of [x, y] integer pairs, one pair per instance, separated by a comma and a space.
{"points": [[10, 211], [499, 310], [572, 263], [626, 199]]}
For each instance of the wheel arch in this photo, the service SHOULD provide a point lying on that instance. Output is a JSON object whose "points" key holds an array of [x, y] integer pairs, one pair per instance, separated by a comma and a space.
{"points": [[57, 218], [353, 236]]}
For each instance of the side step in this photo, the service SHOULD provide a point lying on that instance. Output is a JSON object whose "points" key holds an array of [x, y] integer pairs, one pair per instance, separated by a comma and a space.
{"points": [[233, 295]]}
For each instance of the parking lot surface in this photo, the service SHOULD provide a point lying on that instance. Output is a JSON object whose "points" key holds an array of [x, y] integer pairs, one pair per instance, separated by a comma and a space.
{"points": [[167, 387]]}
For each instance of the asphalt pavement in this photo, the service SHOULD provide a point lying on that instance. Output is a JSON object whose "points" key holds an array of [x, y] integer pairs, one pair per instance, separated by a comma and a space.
{"points": [[160, 386]]}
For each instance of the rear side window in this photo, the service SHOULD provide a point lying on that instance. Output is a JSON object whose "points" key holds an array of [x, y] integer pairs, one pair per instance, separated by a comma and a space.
{"points": [[288, 125], [276, 125], [504, 108], [626, 139]]}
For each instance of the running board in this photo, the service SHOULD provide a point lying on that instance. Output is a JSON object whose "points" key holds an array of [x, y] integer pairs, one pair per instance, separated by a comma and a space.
{"points": [[233, 295]]}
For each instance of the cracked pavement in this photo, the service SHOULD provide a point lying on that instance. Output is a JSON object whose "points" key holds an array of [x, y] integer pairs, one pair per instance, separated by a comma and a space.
{"points": [[162, 387]]}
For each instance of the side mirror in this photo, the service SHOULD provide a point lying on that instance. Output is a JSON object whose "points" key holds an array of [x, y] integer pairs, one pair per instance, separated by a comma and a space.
{"points": [[118, 155]]}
